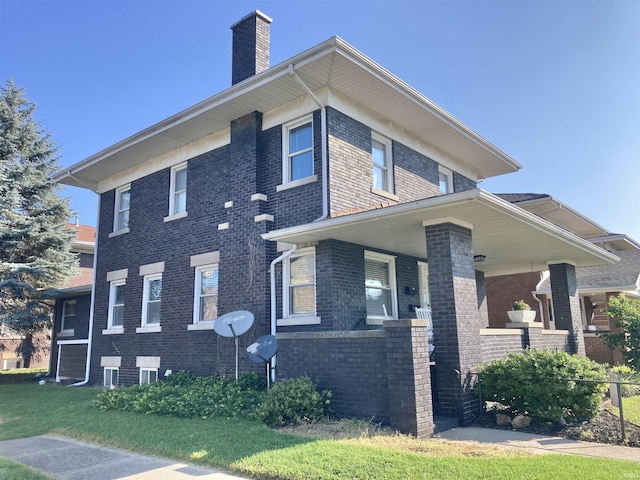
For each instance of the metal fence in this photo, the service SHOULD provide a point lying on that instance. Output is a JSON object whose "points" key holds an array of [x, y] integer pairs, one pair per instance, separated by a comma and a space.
{"points": [[614, 389]]}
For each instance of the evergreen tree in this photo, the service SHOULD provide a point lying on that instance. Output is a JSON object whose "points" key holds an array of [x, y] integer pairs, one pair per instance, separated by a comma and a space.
{"points": [[34, 239]]}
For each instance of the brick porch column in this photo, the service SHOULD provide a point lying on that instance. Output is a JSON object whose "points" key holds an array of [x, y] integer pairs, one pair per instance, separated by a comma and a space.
{"points": [[456, 320], [409, 376], [566, 304]]}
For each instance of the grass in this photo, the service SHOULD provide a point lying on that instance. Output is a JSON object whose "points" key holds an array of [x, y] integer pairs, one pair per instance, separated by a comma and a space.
{"points": [[249, 448], [10, 470], [631, 409]]}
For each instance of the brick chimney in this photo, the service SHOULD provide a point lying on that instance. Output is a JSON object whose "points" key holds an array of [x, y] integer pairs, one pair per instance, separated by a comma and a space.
{"points": [[250, 46]]}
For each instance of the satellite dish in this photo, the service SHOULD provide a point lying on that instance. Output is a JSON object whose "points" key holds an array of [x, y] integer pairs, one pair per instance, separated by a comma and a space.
{"points": [[233, 324], [263, 349]]}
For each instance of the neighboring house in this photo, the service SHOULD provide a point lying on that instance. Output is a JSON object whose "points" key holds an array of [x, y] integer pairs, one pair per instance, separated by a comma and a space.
{"points": [[70, 331], [330, 199], [71, 319], [595, 284]]}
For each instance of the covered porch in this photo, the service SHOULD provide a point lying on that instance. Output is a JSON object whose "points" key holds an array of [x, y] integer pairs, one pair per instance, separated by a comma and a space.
{"points": [[462, 238]]}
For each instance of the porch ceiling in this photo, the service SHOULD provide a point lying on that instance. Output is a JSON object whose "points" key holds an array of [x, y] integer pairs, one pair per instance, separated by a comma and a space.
{"points": [[513, 240]]}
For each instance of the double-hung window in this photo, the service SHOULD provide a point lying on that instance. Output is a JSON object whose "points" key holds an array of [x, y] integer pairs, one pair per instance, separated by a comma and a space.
{"points": [[380, 287], [298, 150], [151, 300], [382, 163], [148, 375], [178, 199], [68, 316], [121, 211], [116, 304], [299, 289], [111, 377], [445, 180], [205, 306]]}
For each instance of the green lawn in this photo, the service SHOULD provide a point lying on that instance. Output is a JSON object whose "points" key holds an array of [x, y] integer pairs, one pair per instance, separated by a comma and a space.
{"points": [[10, 470], [630, 408], [249, 448]]}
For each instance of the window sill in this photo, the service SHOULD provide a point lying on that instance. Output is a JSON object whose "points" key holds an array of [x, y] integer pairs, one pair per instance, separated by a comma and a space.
{"points": [[378, 321], [119, 232], [385, 194], [113, 331], [66, 333], [302, 320], [149, 329], [200, 326], [176, 216], [297, 183]]}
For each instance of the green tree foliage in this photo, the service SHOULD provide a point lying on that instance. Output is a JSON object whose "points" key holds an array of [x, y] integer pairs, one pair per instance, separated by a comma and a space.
{"points": [[626, 311], [538, 383], [34, 240]]}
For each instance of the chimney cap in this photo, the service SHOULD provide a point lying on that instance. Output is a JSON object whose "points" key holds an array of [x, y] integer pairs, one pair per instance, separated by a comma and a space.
{"points": [[255, 13]]}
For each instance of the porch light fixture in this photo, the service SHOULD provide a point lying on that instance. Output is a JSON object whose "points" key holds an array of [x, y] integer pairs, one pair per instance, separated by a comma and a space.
{"points": [[479, 258]]}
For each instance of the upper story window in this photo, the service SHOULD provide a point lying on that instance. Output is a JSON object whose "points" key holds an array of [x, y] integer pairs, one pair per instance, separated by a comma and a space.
{"points": [[445, 179], [382, 163], [121, 213], [380, 287], [298, 150], [205, 308], [116, 304], [178, 198], [68, 321], [151, 300], [299, 284]]}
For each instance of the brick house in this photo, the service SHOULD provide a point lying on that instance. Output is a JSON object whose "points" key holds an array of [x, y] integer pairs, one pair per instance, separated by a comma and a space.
{"points": [[595, 284], [72, 306], [330, 199], [70, 330]]}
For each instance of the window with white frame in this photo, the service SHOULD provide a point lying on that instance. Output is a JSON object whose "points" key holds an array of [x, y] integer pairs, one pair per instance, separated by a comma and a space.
{"points": [[151, 300], [116, 304], [382, 163], [298, 150], [445, 180], [299, 284], [205, 303], [68, 319], [178, 199], [121, 213], [380, 286], [111, 377], [148, 375]]}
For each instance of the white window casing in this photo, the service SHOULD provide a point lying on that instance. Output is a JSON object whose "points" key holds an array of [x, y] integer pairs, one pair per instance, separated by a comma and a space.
{"points": [[382, 163], [299, 289], [445, 180], [67, 319], [148, 375], [205, 298], [121, 209], [151, 300], [297, 153], [380, 287], [111, 377], [115, 318], [178, 192]]}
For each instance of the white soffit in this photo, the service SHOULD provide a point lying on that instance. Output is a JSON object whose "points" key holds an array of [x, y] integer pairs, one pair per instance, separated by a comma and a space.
{"points": [[513, 240], [334, 64]]}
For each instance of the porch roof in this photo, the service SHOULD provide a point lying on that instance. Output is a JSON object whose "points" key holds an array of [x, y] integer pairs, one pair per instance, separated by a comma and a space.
{"points": [[512, 239]]}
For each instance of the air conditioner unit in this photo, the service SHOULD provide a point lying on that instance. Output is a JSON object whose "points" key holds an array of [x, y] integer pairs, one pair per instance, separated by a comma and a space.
{"points": [[11, 364]]}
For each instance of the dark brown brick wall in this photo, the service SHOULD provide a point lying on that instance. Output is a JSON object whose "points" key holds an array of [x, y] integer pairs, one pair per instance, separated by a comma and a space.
{"points": [[503, 290]]}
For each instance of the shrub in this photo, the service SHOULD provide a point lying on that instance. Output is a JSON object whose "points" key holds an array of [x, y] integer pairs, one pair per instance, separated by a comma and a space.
{"points": [[626, 311], [627, 374], [520, 305], [183, 395], [535, 383], [290, 402]]}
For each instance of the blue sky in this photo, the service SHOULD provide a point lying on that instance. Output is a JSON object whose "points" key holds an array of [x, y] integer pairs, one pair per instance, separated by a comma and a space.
{"points": [[553, 83]]}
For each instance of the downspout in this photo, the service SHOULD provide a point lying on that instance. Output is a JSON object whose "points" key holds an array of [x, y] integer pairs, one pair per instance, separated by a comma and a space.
{"points": [[93, 293], [325, 205], [535, 296], [323, 145], [274, 311]]}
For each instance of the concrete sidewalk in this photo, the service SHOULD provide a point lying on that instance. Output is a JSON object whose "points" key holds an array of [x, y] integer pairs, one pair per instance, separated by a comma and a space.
{"points": [[72, 460], [540, 443]]}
